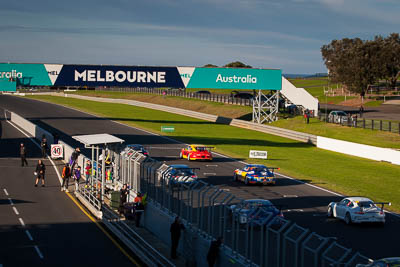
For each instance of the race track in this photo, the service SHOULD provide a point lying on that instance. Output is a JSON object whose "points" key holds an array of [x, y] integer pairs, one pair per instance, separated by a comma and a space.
{"points": [[304, 204]]}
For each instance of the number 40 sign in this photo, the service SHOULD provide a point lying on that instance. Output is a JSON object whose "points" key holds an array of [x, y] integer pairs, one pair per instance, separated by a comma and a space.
{"points": [[57, 151]]}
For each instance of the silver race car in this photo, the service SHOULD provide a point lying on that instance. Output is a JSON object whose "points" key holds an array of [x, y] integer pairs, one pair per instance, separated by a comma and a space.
{"points": [[357, 210]]}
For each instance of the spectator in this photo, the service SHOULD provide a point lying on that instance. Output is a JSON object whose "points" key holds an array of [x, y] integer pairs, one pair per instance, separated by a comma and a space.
{"points": [[74, 158], [88, 170], [44, 146], [354, 119], [40, 172], [139, 209], [66, 174], [123, 197], [213, 252], [176, 228], [361, 110], [77, 177], [138, 198], [22, 151], [55, 138]]}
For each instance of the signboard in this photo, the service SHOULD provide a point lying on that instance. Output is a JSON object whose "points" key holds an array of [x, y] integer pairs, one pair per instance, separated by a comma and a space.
{"points": [[119, 76], [167, 129], [256, 154], [8, 86], [141, 76], [230, 78], [57, 151]]}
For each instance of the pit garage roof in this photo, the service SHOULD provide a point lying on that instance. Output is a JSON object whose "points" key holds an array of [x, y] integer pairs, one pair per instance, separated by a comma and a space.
{"points": [[97, 139]]}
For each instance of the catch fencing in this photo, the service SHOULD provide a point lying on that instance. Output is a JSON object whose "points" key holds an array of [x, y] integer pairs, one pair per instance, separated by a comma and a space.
{"points": [[262, 239], [357, 122]]}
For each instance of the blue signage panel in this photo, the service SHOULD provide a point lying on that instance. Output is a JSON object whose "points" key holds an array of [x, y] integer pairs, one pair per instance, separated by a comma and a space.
{"points": [[119, 76]]}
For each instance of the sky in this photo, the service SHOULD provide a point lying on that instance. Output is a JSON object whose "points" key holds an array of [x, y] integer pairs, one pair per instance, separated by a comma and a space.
{"points": [[277, 34]]}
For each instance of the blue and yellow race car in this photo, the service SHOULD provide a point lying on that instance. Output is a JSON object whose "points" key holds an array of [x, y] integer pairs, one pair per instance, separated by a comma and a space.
{"points": [[255, 174]]}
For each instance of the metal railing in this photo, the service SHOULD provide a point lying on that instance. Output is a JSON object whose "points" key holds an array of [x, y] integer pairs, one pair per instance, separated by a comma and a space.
{"points": [[357, 122]]}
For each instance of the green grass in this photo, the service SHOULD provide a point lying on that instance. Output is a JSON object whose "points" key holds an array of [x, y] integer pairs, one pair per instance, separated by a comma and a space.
{"points": [[341, 173], [309, 82], [375, 103]]}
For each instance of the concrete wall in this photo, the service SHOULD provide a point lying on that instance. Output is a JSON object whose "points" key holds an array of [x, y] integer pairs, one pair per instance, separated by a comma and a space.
{"points": [[31, 128], [359, 150]]}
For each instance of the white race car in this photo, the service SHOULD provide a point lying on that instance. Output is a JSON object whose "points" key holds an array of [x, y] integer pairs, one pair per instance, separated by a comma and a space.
{"points": [[357, 210]]}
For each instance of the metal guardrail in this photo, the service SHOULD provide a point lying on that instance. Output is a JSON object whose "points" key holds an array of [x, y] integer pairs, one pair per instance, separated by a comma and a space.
{"points": [[134, 241], [90, 196]]}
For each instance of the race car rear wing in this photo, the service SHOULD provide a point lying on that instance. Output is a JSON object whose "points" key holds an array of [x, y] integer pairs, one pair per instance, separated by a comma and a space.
{"points": [[383, 204]]}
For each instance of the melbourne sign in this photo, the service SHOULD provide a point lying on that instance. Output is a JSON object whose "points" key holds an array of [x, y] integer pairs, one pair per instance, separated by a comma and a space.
{"points": [[129, 76]]}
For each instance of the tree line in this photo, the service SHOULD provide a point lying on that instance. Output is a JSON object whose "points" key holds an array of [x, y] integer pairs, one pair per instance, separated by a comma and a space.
{"points": [[358, 64]]}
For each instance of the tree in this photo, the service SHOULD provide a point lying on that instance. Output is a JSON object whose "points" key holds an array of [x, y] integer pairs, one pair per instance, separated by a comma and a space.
{"points": [[210, 66], [237, 64], [352, 62], [391, 58]]}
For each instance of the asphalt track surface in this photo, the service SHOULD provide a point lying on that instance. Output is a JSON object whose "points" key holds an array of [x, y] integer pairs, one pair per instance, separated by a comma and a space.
{"points": [[305, 204], [41, 226]]}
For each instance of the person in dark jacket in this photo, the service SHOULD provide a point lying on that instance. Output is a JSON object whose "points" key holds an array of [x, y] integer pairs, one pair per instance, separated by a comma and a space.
{"points": [[66, 174], [74, 158], [40, 172], [44, 146], [122, 198], [213, 252], [22, 152], [77, 177], [176, 228]]}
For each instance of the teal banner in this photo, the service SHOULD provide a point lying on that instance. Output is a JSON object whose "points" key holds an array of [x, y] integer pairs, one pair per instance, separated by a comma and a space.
{"points": [[7, 86], [25, 74], [229, 78]]}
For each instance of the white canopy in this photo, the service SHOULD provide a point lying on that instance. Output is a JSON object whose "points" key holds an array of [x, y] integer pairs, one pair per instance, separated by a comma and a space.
{"points": [[97, 139]]}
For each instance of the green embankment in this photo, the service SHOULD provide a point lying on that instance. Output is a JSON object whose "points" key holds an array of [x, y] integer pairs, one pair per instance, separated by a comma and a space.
{"points": [[341, 173]]}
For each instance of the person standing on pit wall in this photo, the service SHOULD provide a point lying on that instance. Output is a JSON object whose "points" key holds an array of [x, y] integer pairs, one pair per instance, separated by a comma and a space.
{"points": [[66, 174], [22, 152], [44, 146], [213, 252], [88, 170], [40, 172], [77, 177], [122, 198], [176, 228]]}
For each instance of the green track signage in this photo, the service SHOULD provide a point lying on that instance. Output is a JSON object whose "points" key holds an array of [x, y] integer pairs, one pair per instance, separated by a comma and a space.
{"points": [[229, 78], [167, 129]]}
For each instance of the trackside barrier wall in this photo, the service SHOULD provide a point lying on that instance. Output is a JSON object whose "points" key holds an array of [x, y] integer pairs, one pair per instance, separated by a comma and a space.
{"points": [[359, 150], [31, 128]]}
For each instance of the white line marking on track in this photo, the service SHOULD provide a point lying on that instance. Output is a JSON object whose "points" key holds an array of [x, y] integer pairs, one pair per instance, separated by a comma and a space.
{"points": [[11, 202], [212, 165], [290, 196], [5, 192], [29, 235], [15, 210], [38, 252], [210, 173], [21, 221]]}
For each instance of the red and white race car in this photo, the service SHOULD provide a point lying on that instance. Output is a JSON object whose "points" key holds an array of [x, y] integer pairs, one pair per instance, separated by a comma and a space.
{"points": [[196, 152]]}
